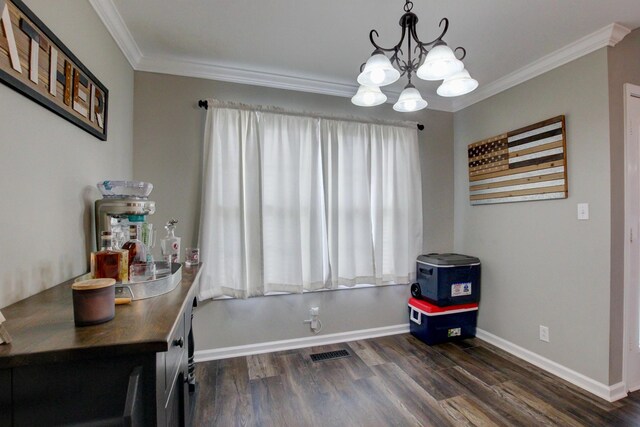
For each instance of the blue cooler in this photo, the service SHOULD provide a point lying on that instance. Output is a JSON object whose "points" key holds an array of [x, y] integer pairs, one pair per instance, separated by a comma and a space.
{"points": [[447, 279], [433, 325]]}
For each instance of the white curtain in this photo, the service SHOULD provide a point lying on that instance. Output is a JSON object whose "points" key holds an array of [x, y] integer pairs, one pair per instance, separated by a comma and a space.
{"points": [[230, 229], [396, 202], [374, 200], [294, 203], [293, 221]]}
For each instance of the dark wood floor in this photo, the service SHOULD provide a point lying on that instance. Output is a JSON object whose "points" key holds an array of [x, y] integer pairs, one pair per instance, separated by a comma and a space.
{"points": [[397, 381]]}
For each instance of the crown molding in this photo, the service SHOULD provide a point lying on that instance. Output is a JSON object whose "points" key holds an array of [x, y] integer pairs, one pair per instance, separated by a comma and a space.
{"points": [[111, 18], [108, 13], [208, 70], [607, 36], [435, 103]]}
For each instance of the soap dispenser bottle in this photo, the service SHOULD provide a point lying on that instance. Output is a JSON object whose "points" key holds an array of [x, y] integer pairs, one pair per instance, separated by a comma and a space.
{"points": [[170, 245]]}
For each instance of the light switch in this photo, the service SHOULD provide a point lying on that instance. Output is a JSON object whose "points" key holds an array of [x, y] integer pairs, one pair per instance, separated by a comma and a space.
{"points": [[583, 211]]}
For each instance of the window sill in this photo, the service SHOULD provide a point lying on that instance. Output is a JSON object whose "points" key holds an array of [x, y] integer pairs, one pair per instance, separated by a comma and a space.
{"points": [[339, 288]]}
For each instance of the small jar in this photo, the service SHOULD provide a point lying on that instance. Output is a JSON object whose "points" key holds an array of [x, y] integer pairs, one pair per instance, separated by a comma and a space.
{"points": [[93, 301]]}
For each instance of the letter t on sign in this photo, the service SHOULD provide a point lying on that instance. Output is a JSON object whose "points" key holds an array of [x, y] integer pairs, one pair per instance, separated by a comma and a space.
{"points": [[11, 40]]}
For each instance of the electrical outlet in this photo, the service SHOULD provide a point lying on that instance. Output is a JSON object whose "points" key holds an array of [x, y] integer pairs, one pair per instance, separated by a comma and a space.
{"points": [[314, 321], [544, 333], [583, 211], [314, 312]]}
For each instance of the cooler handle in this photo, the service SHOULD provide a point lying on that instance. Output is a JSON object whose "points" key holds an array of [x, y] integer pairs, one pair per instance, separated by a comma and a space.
{"points": [[426, 271], [418, 318]]}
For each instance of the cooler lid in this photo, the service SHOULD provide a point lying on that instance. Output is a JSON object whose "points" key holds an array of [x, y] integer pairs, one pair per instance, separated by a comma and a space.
{"points": [[429, 309], [448, 259]]}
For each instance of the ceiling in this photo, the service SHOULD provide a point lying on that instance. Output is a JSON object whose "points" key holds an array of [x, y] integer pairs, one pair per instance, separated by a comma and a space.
{"points": [[318, 46]]}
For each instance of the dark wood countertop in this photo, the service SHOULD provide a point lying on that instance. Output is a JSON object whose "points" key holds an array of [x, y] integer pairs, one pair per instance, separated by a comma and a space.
{"points": [[43, 331]]}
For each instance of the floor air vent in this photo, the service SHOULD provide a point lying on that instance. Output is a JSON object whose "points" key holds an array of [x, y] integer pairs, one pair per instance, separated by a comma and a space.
{"points": [[329, 355]]}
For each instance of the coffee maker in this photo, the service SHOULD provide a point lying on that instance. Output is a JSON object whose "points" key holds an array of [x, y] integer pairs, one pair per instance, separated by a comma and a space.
{"points": [[120, 201]]}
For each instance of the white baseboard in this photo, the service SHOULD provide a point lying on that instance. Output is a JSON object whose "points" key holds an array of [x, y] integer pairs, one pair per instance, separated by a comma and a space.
{"points": [[609, 393], [268, 347]]}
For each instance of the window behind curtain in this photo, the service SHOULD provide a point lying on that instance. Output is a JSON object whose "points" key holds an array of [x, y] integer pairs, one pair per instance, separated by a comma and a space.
{"points": [[293, 203]]}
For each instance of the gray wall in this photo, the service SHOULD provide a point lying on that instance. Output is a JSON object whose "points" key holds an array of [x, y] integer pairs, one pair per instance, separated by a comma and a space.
{"points": [[541, 266], [167, 152], [624, 67], [50, 167]]}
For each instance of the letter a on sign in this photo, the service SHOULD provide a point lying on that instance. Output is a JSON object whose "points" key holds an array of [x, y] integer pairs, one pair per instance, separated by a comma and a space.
{"points": [[11, 40]]}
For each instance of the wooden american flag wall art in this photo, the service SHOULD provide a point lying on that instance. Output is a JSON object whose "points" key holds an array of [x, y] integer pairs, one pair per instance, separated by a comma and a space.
{"points": [[525, 164]]}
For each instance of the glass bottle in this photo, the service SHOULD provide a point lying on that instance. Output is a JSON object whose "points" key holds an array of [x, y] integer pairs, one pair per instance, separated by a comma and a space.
{"points": [[137, 250], [145, 234], [170, 245], [109, 262]]}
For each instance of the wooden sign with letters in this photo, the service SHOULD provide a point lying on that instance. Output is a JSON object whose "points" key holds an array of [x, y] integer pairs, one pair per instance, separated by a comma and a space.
{"points": [[37, 64]]}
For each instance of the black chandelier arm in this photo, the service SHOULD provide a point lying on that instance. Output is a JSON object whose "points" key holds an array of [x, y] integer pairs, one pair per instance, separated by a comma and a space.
{"points": [[393, 49], [421, 51], [395, 59], [397, 49], [408, 67], [439, 38], [420, 48], [408, 23], [405, 68]]}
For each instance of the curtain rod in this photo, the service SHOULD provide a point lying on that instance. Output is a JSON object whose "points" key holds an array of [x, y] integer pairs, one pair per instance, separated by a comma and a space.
{"points": [[203, 103]]}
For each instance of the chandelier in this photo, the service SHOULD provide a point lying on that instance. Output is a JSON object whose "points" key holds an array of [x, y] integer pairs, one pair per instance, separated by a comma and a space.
{"points": [[434, 61]]}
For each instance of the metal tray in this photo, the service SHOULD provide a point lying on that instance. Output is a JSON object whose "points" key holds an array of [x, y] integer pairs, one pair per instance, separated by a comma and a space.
{"points": [[151, 288], [163, 284]]}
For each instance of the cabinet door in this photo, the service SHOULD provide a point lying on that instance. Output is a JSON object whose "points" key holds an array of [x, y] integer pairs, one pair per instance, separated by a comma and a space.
{"points": [[79, 391], [6, 413], [176, 409]]}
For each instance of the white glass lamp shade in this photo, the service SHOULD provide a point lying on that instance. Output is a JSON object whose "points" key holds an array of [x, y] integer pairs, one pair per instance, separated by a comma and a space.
{"points": [[459, 84], [368, 96], [378, 71], [410, 100], [439, 64]]}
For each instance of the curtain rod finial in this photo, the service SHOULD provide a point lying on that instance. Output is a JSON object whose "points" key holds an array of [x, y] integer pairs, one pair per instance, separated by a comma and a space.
{"points": [[420, 126], [203, 104]]}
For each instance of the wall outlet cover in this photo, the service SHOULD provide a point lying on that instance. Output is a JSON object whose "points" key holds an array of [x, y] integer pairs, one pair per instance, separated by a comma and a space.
{"points": [[583, 211], [544, 333]]}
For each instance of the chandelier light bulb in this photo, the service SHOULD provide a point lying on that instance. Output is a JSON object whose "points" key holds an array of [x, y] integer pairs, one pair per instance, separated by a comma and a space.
{"points": [[378, 71], [377, 76], [439, 64], [410, 105], [458, 84], [410, 100], [369, 96]]}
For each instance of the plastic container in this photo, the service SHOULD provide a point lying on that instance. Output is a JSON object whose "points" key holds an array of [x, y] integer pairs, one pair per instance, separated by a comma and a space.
{"points": [[93, 301], [124, 189], [434, 325], [447, 279]]}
